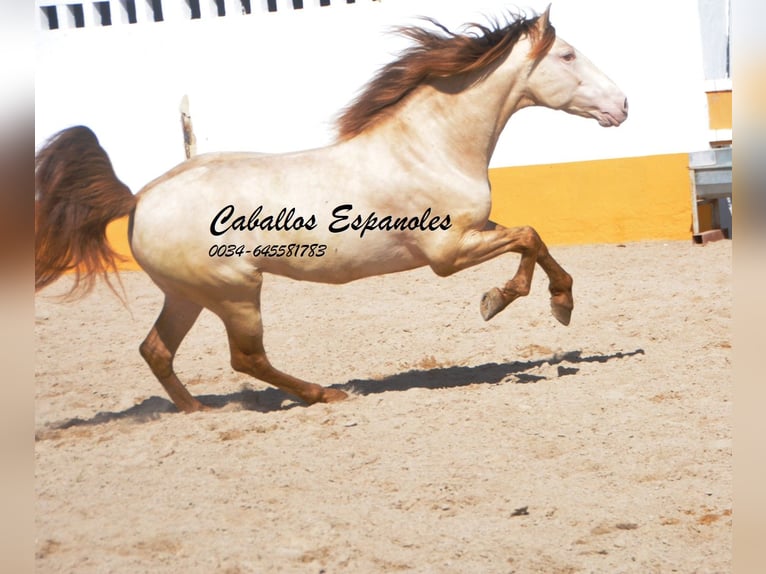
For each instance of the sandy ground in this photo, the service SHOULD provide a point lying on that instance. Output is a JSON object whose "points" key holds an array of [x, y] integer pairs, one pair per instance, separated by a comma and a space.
{"points": [[517, 445]]}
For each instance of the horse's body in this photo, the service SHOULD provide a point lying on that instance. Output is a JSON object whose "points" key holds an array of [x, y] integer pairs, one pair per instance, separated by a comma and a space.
{"points": [[309, 184], [412, 158]]}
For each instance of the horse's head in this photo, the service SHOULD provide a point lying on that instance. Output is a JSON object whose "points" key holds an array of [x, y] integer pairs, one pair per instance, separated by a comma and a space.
{"points": [[563, 79]]}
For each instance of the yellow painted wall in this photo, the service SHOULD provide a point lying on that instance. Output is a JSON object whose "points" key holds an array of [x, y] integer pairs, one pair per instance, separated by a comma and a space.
{"points": [[603, 201], [117, 235], [719, 110]]}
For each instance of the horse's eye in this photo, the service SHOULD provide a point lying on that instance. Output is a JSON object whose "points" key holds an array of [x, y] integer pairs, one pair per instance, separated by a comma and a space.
{"points": [[568, 57]]}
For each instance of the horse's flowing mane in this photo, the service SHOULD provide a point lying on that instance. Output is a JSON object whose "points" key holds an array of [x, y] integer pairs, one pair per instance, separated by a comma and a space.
{"points": [[439, 54]]}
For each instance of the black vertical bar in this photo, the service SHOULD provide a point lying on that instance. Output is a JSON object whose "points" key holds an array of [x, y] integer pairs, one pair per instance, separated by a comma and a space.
{"points": [[130, 8], [194, 9], [104, 12], [78, 14], [52, 16], [156, 9]]}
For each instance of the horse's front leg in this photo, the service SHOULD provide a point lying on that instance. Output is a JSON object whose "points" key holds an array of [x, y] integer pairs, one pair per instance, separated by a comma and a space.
{"points": [[527, 242], [476, 247]]}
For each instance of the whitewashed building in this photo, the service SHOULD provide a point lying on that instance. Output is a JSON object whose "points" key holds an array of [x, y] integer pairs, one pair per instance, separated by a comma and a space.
{"points": [[270, 75]]}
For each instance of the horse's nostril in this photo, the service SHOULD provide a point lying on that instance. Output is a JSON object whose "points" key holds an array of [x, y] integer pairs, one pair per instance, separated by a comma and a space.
{"points": [[625, 105]]}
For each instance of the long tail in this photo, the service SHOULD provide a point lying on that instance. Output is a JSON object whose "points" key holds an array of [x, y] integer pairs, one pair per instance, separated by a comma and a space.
{"points": [[77, 194]]}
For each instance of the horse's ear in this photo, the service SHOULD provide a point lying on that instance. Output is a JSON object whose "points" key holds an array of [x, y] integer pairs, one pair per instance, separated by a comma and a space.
{"points": [[543, 35], [544, 21]]}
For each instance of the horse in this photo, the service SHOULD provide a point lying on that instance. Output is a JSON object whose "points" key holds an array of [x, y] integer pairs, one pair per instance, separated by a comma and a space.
{"points": [[404, 185]]}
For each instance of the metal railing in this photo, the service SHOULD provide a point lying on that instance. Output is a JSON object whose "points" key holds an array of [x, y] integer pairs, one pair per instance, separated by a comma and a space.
{"points": [[711, 183], [60, 14]]}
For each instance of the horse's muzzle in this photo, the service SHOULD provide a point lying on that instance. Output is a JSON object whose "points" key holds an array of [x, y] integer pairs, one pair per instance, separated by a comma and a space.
{"points": [[613, 117]]}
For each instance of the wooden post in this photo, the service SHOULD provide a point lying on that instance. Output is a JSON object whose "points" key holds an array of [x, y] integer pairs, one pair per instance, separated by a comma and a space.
{"points": [[190, 142]]}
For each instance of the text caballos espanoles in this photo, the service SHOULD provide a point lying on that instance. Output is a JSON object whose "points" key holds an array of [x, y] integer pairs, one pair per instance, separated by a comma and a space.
{"points": [[343, 219]]}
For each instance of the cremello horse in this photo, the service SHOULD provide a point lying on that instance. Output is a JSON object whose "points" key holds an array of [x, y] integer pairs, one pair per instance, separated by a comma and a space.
{"points": [[404, 186]]}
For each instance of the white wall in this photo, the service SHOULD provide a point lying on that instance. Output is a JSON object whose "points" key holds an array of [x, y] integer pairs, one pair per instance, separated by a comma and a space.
{"points": [[274, 81], [715, 25]]}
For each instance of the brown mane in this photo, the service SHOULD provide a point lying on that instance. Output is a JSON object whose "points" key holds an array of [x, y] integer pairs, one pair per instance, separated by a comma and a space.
{"points": [[438, 55]]}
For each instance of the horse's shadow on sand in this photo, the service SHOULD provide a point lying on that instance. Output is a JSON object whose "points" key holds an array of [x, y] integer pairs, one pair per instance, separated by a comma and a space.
{"points": [[271, 399]]}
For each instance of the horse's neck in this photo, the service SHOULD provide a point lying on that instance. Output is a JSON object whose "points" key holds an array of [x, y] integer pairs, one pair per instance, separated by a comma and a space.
{"points": [[454, 124]]}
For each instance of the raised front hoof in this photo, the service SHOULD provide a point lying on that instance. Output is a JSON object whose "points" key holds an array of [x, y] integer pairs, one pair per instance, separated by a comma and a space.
{"points": [[562, 312], [492, 302], [332, 396]]}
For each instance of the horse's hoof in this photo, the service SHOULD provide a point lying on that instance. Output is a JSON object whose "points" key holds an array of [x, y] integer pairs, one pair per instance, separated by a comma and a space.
{"points": [[332, 396], [194, 407], [492, 303], [562, 313]]}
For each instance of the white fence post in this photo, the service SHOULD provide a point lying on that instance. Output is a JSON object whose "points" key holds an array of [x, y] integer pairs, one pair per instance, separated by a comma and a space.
{"points": [[89, 14], [175, 11], [234, 8], [208, 9], [144, 12]]}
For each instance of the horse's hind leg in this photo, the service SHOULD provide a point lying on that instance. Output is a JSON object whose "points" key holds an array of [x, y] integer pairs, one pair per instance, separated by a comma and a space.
{"points": [[242, 319], [160, 346]]}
